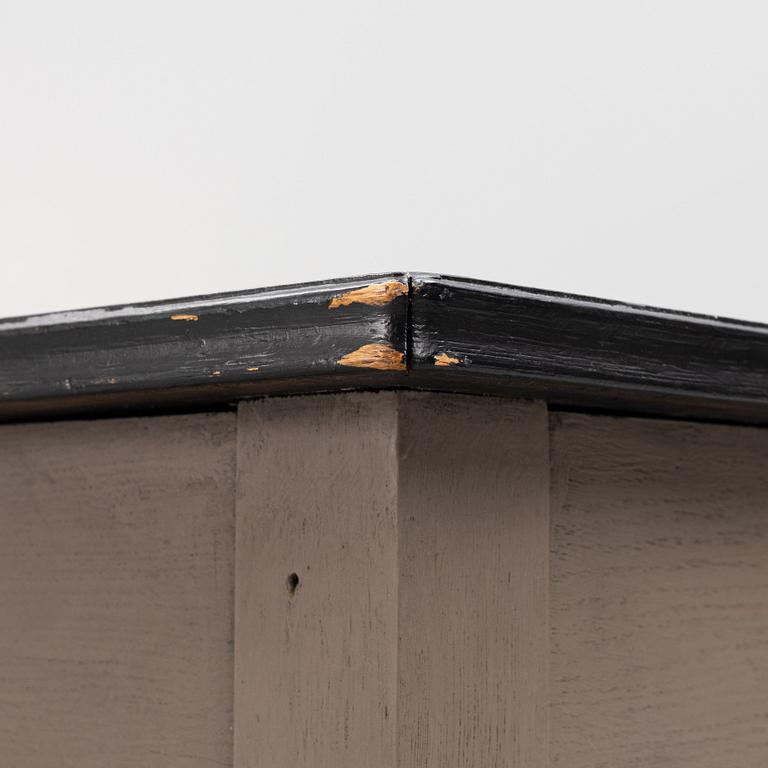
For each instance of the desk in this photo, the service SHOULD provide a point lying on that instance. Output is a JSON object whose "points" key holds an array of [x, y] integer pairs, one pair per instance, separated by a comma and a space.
{"points": [[400, 520]]}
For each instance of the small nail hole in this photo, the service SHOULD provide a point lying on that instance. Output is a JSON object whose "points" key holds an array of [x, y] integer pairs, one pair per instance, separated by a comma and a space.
{"points": [[292, 582]]}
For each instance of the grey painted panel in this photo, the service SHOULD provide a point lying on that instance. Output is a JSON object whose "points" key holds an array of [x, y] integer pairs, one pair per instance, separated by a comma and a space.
{"points": [[659, 594], [473, 564], [116, 580], [316, 661], [416, 635]]}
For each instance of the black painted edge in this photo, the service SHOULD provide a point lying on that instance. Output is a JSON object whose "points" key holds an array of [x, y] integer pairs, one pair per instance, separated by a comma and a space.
{"points": [[184, 353], [385, 331], [583, 352]]}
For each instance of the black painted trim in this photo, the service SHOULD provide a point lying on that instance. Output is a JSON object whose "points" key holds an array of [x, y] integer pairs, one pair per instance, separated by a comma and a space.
{"points": [[578, 351], [116, 357], [453, 335]]}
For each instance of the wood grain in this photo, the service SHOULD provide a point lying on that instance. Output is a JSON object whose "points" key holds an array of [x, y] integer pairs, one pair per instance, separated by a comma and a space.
{"points": [[659, 602], [406, 331], [416, 635], [116, 581], [316, 664], [415, 582], [578, 351], [473, 552], [201, 349]]}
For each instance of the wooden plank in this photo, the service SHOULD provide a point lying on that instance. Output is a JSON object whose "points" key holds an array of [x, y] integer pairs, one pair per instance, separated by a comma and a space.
{"points": [[416, 635], [487, 338], [316, 662], [474, 540], [397, 330], [203, 350], [116, 579], [659, 594]]}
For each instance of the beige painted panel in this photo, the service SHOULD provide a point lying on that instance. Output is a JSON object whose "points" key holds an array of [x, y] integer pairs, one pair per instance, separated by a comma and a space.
{"points": [[474, 540], [116, 579], [659, 597], [417, 636], [315, 671]]}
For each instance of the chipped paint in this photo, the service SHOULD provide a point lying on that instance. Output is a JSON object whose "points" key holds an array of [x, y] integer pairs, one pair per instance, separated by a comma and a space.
{"points": [[185, 317], [255, 368], [215, 373], [375, 295], [444, 359], [110, 380], [382, 357]]}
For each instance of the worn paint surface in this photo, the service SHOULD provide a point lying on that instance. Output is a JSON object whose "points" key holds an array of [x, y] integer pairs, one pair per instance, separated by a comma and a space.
{"points": [[383, 357], [574, 350], [59, 363], [375, 295], [568, 350]]}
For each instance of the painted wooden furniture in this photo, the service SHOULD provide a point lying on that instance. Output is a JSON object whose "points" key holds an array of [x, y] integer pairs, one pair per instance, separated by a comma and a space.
{"points": [[402, 521]]}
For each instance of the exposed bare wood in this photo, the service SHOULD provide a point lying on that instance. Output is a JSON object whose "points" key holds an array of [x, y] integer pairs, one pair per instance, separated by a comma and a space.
{"points": [[375, 294], [382, 357]]}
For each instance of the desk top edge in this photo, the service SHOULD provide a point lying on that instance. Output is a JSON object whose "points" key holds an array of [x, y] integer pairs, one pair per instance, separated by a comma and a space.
{"points": [[391, 330]]}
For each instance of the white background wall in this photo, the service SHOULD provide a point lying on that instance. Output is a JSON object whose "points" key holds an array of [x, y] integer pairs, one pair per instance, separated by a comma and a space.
{"points": [[157, 149]]}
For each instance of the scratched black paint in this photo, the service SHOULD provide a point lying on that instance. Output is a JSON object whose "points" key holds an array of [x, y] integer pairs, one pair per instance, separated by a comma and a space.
{"points": [[573, 350], [569, 350], [289, 334]]}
